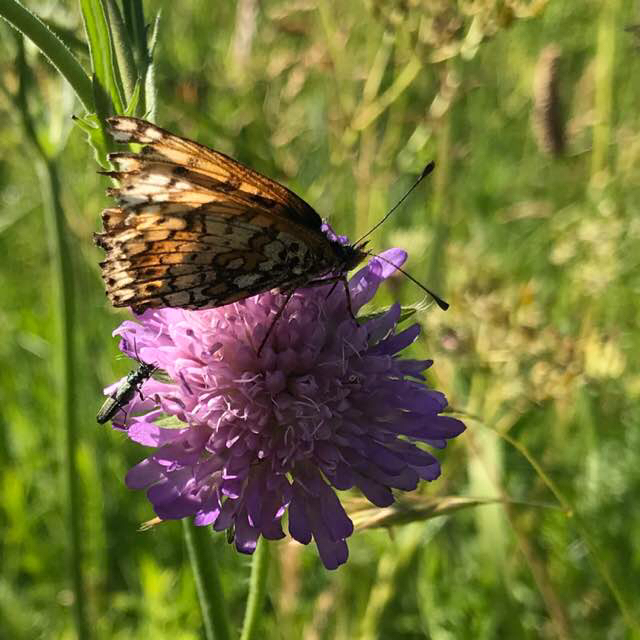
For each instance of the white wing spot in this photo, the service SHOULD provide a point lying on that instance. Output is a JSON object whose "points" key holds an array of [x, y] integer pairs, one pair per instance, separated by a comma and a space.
{"points": [[246, 280], [158, 179], [121, 136], [124, 124], [235, 264], [266, 265], [132, 198], [152, 133], [272, 249], [126, 164]]}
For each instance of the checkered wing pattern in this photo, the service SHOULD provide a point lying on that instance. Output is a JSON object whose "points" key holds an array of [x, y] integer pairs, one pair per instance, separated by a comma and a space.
{"points": [[193, 228]]}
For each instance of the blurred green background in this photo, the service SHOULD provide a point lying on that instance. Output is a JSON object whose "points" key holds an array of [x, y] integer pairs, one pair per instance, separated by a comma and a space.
{"points": [[528, 227]]}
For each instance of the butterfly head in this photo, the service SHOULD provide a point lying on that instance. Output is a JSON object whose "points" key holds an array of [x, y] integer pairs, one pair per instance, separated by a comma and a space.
{"points": [[349, 255]]}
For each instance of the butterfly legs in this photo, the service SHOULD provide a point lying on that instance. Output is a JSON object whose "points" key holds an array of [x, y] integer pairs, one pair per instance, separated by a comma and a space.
{"points": [[336, 281], [275, 320], [347, 293], [316, 283]]}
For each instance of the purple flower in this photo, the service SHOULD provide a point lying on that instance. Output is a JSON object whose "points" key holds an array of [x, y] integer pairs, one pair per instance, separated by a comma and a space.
{"points": [[327, 405]]}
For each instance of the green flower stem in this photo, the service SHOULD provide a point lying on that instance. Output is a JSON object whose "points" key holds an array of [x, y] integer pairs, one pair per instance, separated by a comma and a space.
{"points": [[51, 46], [257, 590], [63, 286], [208, 585], [63, 280]]}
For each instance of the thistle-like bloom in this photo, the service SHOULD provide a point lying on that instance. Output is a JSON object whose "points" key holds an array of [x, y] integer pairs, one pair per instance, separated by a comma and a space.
{"points": [[327, 405]]}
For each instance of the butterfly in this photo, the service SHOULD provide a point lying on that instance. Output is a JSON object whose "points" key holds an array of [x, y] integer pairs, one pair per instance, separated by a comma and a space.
{"points": [[124, 392], [195, 229]]}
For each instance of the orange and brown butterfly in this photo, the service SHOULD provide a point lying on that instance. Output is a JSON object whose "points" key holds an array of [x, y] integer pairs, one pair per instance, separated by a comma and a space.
{"points": [[195, 229]]}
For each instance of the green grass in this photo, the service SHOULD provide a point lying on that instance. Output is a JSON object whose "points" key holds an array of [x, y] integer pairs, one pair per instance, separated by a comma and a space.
{"points": [[537, 255]]}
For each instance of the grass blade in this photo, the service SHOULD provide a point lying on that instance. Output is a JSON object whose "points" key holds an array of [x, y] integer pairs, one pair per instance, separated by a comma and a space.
{"points": [[103, 63], [27, 23]]}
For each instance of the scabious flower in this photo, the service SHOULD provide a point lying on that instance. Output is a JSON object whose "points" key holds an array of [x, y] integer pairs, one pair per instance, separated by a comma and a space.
{"points": [[327, 405]]}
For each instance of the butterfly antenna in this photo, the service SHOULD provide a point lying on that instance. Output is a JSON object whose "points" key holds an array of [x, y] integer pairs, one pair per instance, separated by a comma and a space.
{"points": [[425, 172], [439, 301]]}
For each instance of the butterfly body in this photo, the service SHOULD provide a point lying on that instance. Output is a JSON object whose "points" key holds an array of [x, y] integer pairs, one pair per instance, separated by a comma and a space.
{"points": [[196, 229], [124, 392]]}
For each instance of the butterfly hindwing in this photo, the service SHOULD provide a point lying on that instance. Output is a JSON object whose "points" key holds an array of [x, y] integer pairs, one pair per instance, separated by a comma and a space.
{"points": [[191, 270]]}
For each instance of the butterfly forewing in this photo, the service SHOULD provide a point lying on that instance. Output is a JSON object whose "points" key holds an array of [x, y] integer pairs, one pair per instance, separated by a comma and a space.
{"points": [[188, 155], [196, 229]]}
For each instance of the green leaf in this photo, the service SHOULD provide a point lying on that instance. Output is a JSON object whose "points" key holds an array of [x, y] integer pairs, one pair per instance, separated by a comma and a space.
{"points": [[102, 101], [150, 76], [92, 127], [169, 422], [405, 313], [122, 47], [132, 107], [105, 70], [137, 29], [153, 41]]}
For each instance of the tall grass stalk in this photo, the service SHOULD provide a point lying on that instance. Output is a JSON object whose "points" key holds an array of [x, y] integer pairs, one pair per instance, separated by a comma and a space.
{"points": [[63, 287], [626, 610], [391, 565], [439, 205], [51, 46], [604, 67], [368, 147]]}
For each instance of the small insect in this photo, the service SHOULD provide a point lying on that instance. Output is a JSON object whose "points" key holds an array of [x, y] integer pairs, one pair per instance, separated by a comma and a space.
{"points": [[125, 392], [196, 229]]}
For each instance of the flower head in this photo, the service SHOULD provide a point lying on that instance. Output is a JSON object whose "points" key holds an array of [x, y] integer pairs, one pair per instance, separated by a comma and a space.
{"points": [[326, 405]]}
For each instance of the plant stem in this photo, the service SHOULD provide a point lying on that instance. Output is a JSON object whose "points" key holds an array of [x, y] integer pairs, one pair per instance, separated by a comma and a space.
{"points": [[626, 610], [440, 205], [366, 116], [257, 590], [208, 585], [63, 286], [391, 565], [51, 46], [604, 65]]}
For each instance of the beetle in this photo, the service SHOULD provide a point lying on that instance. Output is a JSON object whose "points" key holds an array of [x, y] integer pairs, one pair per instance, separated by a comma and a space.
{"points": [[125, 392]]}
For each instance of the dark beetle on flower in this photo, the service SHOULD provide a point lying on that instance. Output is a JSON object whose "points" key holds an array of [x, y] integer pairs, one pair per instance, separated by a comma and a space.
{"points": [[123, 395]]}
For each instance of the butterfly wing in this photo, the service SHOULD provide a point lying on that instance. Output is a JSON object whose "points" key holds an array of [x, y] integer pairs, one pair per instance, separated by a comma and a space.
{"points": [[229, 175], [196, 229]]}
